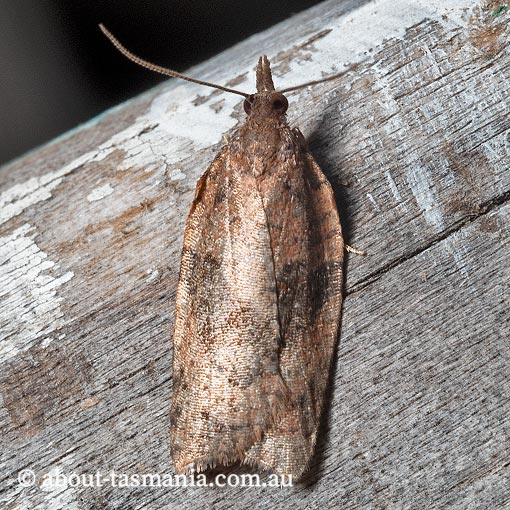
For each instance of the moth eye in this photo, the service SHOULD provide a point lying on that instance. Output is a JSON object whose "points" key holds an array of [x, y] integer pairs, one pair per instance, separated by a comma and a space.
{"points": [[247, 103], [279, 103]]}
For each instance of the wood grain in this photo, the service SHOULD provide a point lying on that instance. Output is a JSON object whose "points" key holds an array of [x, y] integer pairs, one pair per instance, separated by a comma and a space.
{"points": [[90, 236]]}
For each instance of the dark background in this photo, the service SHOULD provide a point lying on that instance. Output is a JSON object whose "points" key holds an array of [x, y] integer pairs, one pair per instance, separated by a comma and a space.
{"points": [[57, 69]]}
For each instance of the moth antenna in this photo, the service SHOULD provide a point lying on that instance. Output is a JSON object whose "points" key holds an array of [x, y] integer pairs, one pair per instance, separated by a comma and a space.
{"points": [[316, 82], [162, 70]]}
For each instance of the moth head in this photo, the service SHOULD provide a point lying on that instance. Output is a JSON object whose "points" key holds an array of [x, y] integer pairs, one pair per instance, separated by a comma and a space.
{"points": [[266, 102]]}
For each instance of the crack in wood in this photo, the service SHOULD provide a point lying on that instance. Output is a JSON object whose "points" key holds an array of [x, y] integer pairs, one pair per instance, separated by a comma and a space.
{"points": [[452, 229]]}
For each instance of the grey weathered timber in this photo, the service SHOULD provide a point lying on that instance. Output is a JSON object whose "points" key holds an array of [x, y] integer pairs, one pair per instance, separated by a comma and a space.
{"points": [[415, 138]]}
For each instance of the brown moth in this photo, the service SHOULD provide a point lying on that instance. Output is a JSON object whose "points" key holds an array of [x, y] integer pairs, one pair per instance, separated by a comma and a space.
{"points": [[259, 297]]}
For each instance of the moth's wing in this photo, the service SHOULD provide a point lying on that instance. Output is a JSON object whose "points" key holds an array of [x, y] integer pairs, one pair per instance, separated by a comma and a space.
{"points": [[308, 250], [227, 388]]}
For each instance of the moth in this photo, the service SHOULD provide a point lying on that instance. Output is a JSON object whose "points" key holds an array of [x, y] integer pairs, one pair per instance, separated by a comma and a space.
{"points": [[259, 296]]}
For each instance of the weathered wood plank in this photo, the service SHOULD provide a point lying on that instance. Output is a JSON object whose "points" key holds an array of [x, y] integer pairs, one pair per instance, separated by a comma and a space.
{"points": [[90, 237]]}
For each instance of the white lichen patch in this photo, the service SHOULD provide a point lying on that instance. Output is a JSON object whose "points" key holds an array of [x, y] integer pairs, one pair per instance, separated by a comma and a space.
{"points": [[100, 192], [29, 301]]}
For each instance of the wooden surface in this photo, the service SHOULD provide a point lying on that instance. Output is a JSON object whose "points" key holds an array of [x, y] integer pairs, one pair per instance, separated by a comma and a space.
{"points": [[90, 237]]}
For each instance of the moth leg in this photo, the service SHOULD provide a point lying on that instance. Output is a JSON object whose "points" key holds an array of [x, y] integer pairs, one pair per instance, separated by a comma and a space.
{"points": [[350, 249], [227, 139]]}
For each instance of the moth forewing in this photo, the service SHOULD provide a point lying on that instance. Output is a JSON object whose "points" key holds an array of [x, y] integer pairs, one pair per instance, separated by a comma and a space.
{"points": [[259, 296]]}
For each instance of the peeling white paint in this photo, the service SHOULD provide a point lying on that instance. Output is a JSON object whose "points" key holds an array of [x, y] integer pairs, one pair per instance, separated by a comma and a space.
{"points": [[361, 30], [29, 305], [100, 192], [189, 126], [178, 127], [16, 199]]}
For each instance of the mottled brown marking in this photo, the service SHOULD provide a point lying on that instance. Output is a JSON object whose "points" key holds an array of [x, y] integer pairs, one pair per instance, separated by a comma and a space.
{"points": [[258, 302]]}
